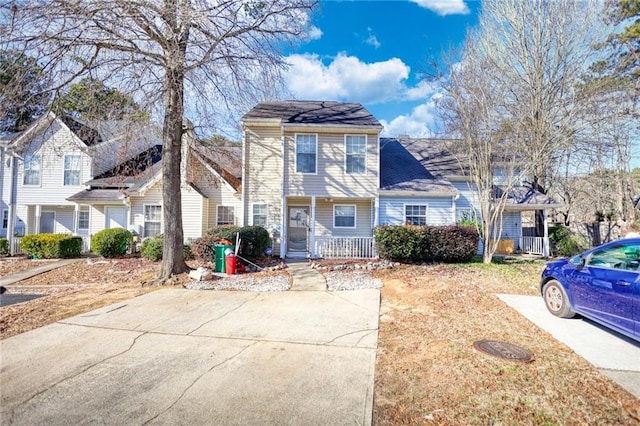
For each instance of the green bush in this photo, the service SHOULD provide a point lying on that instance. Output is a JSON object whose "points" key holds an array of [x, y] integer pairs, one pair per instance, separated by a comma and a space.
{"points": [[111, 242], [4, 247], [254, 240], [402, 243], [51, 246], [151, 249], [564, 242]]}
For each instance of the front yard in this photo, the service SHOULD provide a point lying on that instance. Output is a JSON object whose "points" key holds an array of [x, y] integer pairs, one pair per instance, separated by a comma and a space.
{"points": [[427, 371]]}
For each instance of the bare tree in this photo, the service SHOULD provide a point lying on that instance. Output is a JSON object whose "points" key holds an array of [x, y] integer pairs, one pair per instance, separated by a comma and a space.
{"points": [[540, 50], [218, 53], [485, 144]]}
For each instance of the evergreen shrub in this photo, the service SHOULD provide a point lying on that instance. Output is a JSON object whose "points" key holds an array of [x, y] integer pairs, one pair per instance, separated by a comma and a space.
{"points": [[51, 246], [112, 242]]}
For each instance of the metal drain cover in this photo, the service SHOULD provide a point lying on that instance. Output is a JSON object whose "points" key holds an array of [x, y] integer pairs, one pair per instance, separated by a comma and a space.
{"points": [[504, 350]]}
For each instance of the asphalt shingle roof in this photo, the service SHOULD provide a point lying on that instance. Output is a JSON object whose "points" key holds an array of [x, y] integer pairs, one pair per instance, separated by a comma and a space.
{"points": [[314, 112]]}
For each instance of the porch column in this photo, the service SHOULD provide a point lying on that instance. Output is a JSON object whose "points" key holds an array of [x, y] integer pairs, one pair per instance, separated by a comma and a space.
{"points": [[376, 209], [38, 214], [76, 216], [545, 241], [312, 228]]}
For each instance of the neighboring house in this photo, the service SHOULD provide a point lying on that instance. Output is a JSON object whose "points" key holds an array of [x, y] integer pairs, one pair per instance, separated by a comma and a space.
{"points": [[320, 178], [311, 176], [80, 177]]}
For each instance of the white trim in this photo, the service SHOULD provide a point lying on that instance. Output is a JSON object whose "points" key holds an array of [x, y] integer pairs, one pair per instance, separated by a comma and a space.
{"points": [[64, 169], [426, 211], [355, 216], [88, 211], [145, 221], [266, 213], [24, 171], [346, 154], [295, 146], [233, 212]]}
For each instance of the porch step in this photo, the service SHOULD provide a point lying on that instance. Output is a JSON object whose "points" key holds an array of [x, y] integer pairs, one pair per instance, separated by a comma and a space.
{"points": [[304, 277]]}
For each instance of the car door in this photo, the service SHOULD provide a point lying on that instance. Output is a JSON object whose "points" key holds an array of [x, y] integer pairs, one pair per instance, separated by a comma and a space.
{"points": [[606, 288]]}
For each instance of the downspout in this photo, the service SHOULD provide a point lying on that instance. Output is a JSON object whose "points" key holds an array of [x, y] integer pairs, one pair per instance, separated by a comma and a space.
{"points": [[283, 202], [243, 198], [12, 203]]}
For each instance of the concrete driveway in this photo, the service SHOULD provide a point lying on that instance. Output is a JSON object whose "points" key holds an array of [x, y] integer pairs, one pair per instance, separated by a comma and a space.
{"points": [[199, 357], [616, 356]]}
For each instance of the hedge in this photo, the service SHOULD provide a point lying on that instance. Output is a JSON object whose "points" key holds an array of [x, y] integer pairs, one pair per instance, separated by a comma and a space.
{"points": [[151, 249], [254, 240], [408, 243], [4, 247], [51, 246], [112, 242]]}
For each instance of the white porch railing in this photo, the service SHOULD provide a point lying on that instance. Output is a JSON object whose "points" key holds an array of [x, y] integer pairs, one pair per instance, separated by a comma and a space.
{"points": [[349, 247], [532, 245], [16, 249]]}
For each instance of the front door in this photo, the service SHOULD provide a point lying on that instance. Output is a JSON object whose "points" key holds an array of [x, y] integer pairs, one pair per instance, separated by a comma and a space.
{"points": [[298, 230], [47, 222], [115, 217]]}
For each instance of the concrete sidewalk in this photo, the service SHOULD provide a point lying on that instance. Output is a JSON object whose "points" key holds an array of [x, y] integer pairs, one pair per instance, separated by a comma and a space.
{"points": [[616, 356], [199, 357], [36, 270]]}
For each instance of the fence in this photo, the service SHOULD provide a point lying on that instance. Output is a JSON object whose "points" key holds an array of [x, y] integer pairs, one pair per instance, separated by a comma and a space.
{"points": [[349, 247]]}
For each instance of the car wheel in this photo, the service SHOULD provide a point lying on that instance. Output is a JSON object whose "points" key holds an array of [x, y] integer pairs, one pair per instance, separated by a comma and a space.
{"points": [[556, 300]]}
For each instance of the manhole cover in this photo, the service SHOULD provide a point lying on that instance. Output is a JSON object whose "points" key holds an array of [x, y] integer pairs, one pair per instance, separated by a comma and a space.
{"points": [[503, 350]]}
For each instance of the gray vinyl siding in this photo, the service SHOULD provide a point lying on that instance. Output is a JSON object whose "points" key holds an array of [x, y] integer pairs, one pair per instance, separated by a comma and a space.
{"points": [[439, 209], [331, 179]]}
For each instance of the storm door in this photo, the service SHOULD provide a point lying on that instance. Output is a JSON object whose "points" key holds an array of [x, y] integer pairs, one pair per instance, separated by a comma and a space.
{"points": [[298, 230]]}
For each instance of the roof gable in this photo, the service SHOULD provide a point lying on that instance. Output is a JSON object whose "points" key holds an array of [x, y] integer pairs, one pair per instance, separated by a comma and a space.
{"points": [[313, 112]]}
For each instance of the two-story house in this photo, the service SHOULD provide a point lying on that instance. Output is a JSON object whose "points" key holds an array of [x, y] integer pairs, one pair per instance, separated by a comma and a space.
{"points": [[320, 178], [311, 174], [63, 175]]}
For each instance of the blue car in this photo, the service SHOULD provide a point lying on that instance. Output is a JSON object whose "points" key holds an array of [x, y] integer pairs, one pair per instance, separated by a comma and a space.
{"points": [[602, 284]]}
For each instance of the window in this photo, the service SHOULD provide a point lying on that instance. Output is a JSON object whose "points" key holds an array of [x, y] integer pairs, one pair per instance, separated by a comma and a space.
{"points": [[260, 214], [5, 219], [225, 216], [152, 221], [31, 170], [356, 148], [72, 170], [465, 216], [344, 216], [83, 219], [415, 214], [619, 256], [47, 222], [306, 149]]}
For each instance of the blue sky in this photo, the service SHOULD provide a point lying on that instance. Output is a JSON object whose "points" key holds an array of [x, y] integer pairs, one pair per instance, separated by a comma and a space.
{"points": [[376, 53]]}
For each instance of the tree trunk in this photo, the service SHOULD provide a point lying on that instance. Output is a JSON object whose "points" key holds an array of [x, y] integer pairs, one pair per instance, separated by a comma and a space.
{"points": [[172, 250]]}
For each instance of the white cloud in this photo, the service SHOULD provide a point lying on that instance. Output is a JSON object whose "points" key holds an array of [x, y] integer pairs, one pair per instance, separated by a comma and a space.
{"points": [[346, 78], [314, 33], [444, 7], [419, 123], [372, 39]]}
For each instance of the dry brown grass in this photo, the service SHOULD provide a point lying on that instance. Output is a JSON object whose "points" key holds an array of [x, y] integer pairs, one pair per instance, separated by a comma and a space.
{"points": [[428, 372]]}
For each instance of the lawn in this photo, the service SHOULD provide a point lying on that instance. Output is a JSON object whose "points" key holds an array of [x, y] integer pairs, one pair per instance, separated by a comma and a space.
{"points": [[428, 371]]}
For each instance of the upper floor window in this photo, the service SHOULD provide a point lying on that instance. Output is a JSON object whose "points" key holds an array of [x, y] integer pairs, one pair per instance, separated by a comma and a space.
{"points": [[356, 149], [72, 170], [344, 216], [260, 214], [225, 216], [306, 153], [415, 214], [152, 220], [31, 170]]}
